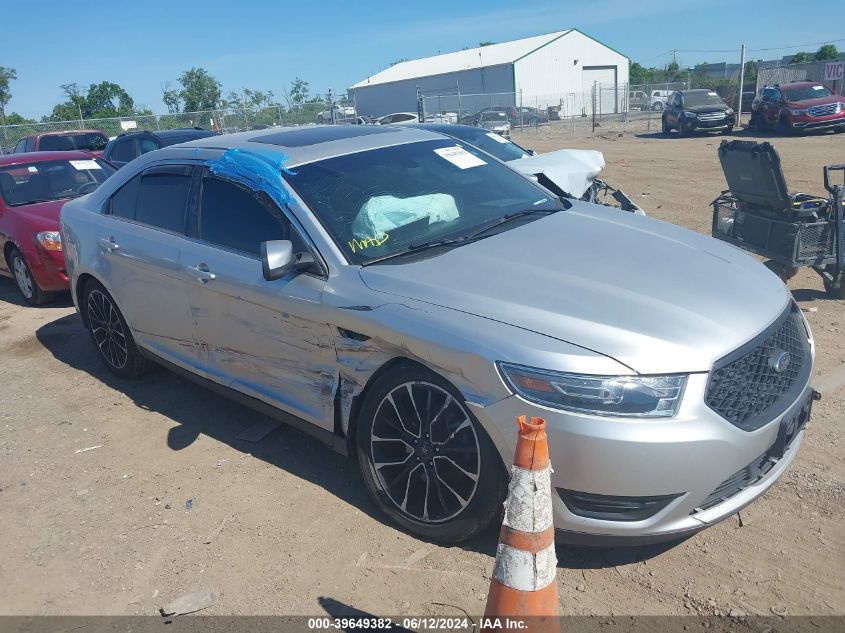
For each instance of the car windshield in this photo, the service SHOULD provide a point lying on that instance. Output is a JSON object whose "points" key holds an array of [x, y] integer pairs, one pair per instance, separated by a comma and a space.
{"points": [[805, 92], [387, 201], [94, 141], [492, 143], [42, 181], [693, 99]]}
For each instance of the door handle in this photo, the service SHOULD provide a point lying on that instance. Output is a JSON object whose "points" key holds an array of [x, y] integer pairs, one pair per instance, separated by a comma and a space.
{"points": [[201, 272], [109, 244]]}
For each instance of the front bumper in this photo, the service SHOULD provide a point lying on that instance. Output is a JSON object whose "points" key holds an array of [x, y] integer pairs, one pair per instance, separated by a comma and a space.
{"points": [[714, 125], [687, 457], [48, 268], [818, 123]]}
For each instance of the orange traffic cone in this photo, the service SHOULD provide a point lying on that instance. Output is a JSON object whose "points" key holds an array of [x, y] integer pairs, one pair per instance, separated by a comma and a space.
{"points": [[524, 584]]}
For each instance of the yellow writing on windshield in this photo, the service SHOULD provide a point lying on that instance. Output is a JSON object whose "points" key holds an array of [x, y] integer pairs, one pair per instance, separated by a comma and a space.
{"points": [[368, 242]]}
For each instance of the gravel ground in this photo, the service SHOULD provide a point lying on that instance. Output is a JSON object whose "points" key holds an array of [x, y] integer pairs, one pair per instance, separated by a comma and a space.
{"points": [[96, 475]]}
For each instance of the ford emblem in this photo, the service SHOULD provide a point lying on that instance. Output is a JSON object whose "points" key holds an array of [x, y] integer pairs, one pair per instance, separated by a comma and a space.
{"points": [[779, 360]]}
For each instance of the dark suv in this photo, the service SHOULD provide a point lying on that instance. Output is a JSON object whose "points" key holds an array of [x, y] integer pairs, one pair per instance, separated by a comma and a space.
{"points": [[690, 111], [130, 145]]}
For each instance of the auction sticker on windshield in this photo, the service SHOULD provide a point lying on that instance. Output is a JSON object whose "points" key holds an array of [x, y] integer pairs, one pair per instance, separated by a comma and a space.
{"points": [[459, 157], [497, 137], [81, 165]]}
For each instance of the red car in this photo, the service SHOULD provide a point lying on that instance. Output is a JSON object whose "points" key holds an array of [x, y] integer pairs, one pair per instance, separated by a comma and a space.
{"points": [[798, 106], [33, 188], [93, 141]]}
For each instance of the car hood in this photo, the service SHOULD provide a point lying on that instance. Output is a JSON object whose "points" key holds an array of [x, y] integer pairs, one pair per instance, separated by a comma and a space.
{"points": [[809, 103], [573, 170], [706, 108], [655, 297], [43, 210]]}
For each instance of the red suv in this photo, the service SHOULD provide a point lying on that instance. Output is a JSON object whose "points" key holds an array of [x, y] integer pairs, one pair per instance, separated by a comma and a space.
{"points": [[798, 106], [93, 141]]}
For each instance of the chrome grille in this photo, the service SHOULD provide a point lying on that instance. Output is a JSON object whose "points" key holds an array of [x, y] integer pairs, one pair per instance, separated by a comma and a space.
{"points": [[711, 116], [745, 389], [823, 110]]}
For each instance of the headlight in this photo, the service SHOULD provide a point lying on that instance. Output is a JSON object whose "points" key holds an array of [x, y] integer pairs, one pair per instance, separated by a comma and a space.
{"points": [[628, 396], [797, 112], [691, 115], [50, 240], [729, 111]]}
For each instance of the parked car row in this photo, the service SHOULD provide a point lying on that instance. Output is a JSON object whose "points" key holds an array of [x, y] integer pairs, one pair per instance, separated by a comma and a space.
{"points": [[403, 295]]}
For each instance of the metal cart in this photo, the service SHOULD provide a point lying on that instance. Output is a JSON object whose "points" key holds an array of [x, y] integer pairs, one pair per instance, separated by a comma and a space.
{"points": [[757, 214]]}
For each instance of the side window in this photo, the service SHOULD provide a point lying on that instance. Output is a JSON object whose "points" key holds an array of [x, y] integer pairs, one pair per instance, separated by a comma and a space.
{"points": [[30, 144], [146, 145], [124, 151], [19, 148], [233, 217], [157, 197], [775, 95], [123, 202]]}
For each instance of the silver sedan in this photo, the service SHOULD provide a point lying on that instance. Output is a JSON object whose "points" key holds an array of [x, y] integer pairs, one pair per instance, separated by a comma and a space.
{"points": [[403, 296]]}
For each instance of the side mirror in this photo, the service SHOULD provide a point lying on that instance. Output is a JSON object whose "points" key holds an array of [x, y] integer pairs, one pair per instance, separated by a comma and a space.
{"points": [[276, 258]]}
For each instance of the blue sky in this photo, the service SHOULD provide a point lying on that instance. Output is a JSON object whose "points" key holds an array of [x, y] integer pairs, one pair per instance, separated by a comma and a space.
{"points": [[264, 44]]}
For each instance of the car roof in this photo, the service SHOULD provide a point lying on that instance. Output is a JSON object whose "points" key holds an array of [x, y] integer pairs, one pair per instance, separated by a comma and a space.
{"points": [[797, 84], [38, 157], [311, 143], [696, 90]]}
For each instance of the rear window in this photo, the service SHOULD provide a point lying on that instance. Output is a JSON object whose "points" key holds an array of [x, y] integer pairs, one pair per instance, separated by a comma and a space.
{"points": [[89, 141]]}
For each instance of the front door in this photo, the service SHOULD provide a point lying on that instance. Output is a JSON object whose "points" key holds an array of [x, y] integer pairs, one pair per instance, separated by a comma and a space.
{"points": [[268, 339]]}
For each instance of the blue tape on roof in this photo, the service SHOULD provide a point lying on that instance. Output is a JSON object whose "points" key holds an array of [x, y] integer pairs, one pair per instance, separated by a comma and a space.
{"points": [[261, 171]]}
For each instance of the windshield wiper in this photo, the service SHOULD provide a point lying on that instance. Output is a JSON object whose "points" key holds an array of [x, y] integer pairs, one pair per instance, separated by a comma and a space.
{"points": [[508, 217], [476, 235]]}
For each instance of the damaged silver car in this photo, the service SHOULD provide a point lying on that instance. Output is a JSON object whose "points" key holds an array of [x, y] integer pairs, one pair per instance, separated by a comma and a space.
{"points": [[403, 296], [567, 173]]}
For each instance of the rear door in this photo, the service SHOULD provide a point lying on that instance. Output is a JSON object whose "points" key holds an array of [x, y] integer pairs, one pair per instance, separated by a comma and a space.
{"points": [[268, 339], [140, 238]]}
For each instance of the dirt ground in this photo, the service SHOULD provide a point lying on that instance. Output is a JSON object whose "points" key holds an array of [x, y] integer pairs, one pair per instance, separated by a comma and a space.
{"points": [[96, 475]]}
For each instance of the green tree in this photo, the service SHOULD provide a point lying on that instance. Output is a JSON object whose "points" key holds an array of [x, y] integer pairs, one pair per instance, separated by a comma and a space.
{"points": [[6, 75], [200, 91], [299, 91], [801, 58], [828, 51], [106, 100], [637, 74], [16, 119]]}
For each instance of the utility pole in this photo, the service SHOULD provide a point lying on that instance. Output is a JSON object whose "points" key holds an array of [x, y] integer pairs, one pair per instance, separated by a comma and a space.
{"points": [[674, 56], [741, 82]]}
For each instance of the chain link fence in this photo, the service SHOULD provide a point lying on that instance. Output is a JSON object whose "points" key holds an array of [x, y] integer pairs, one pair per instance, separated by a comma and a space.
{"points": [[810, 71], [609, 106], [220, 120]]}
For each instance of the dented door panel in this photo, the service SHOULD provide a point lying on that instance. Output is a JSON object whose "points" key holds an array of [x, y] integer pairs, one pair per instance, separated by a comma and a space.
{"points": [[266, 339]]}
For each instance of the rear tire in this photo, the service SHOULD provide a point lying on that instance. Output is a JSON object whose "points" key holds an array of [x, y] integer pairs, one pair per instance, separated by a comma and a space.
{"points": [[426, 460], [759, 124], [25, 282], [729, 131], [111, 334]]}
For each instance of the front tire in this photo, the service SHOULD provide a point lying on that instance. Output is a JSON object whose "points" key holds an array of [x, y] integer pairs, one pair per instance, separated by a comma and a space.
{"points": [[27, 286], [111, 334], [425, 458], [682, 131], [664, 126]]}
